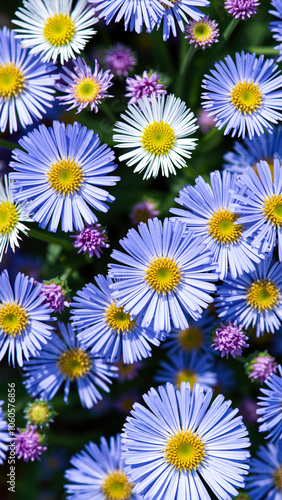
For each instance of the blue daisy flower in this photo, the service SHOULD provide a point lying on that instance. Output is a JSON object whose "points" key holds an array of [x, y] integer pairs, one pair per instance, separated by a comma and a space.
{"points": [[60, 174], [179, 445], [26, 84], [178, 11], [265, 475], [106, 328], [259, 203], [270, 407], [23, 317], [208, 212], [4, 435], [98, 473], [244, 95], [254, 298], [187, 367], [276, 26], [65, 360], [164, 275], [250, 152]]}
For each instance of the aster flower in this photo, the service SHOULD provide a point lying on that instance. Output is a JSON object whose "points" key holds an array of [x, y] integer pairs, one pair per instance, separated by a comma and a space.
{"points": [[120, 59], [50, 28], [143, 211], [65, 360], [84, 87], [91, 239], [70, 167], [178, 11], [128, 371], [241, 9], [98, 472], [29, 444], [202, 33], [229, 339], [259, 202], [245, 96], [23, 317], [106, 328], [248, 153], [26, 84], [163, 275], [39, 413], [187, 367], [194, 338], [261, 366], [157, 134], [209, 212], [54, 295], [254, 298], [179, 444], [270, 407], [265, 476], [4, 435], [144, 85], [12, 216], [275, 26]]}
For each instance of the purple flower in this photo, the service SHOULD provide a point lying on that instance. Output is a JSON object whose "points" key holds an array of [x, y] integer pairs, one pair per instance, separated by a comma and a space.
{"points": [[261, 366], [28, 444], [240, 9], [120, 59], [54, 295], [205, 121], [143, 211], [144, 85], [91, 239], [202, 33], [229, 339]]}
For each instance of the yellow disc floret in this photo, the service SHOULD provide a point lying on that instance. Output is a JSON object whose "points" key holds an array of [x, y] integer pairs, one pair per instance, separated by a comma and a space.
{"points": [[184, 450], [65, 176], [273, 209], [39, 413], [202, 31], [190, 338], [263, 295], [185, 375], [116, 486], [277, 478], [59, 30], [246, 97], [87, 90], [163, 275], [12, 80], [74, 363], [222, 228], [158, 138], [8, 217], [13, 319], [118, 319]]}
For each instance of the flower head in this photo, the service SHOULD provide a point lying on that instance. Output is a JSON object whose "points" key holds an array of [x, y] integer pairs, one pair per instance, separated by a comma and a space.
{"points": [[23, 317], [143, 211], [245, 96], [83, 87], [229, 339], [194, 338], [265, 477], [162, 276], [26, 84], [29, 444], [275, 26], [241, 9], [50, 28], [39, 413], [261, 366], [156, 132], [5, 436], [97, 472], [202, 33], [91, 239], [120, 59], [178, 444], [65, 360], [54, 294], [270, 406], [178, 11], [147, 84], [71, 168]]}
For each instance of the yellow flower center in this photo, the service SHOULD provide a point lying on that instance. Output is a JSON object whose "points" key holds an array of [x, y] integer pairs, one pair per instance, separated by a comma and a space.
{"points": [[273, 209], [202, 31], [163, 275], [271, 166], [246, 97], [158, 138], [87, 90], [185, 376], [184, 450], [59, 30], [74, 363], [13, 319], [8, 217], [65, 176], [119, 320], [191, 338], [222, 228], [277, 478], [263, 295], [116, 486], [38, 413], [12, 81]]}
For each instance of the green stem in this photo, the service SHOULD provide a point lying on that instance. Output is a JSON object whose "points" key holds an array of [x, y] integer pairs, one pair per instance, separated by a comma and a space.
{"points": [[38, 235], [108, 112], [230, 28], [183, 70], [161, 53], [9, 144], [264, 50]]}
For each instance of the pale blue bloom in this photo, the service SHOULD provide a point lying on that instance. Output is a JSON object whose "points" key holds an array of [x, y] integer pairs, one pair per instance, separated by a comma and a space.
{"points": [[270, 407], [261, 481]]}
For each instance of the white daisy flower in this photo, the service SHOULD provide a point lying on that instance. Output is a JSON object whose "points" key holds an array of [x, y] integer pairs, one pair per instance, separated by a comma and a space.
{"points": [[51, 29], [11, 217], [156, 134]]}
